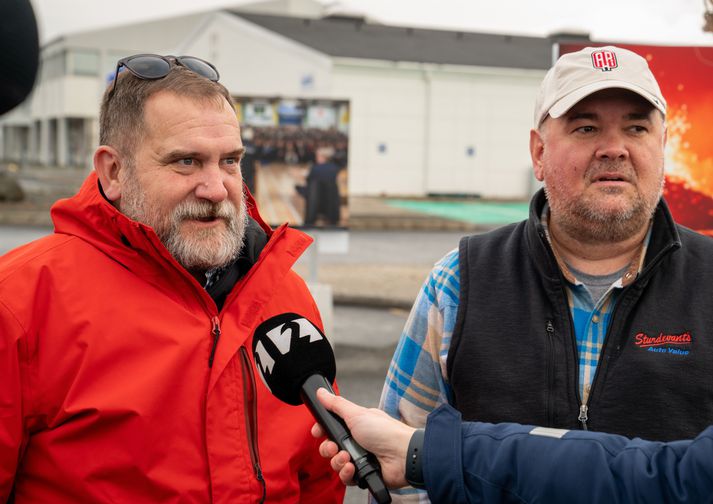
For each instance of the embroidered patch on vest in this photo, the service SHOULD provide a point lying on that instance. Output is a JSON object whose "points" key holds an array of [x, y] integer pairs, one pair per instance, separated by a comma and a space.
{"points": [[672, 344]]}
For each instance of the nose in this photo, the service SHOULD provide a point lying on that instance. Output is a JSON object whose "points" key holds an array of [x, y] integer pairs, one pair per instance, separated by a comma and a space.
{"points": [[612, 147], [210, 185]]}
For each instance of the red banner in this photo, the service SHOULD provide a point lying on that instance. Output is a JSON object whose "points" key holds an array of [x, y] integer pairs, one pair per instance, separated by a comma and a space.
{"points": [[685, 75]]}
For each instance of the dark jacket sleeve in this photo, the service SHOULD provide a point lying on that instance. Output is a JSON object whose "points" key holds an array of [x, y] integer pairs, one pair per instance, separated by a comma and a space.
{"points": [[478, 462]]}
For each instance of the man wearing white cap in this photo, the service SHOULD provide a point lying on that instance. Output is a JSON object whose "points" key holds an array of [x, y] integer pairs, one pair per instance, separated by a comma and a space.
{"points": [[595, 312]]}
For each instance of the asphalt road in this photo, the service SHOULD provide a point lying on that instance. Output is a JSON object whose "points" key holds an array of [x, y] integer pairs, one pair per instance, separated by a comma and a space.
{"points": [[395, 247]]}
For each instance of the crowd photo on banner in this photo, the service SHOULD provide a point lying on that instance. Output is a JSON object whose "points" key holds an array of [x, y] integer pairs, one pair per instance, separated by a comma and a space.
{"points": [[296, 159]]}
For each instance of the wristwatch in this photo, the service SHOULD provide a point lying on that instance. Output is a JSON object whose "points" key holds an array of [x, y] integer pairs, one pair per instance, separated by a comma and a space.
{"points": [[414, 460]]}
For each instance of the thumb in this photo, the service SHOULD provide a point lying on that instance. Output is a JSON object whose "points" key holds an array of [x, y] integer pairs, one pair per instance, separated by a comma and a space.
{"points": [[337, 404]]}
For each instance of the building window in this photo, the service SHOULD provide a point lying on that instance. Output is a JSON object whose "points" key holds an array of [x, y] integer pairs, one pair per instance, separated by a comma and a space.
{"points": [[84, 62]]}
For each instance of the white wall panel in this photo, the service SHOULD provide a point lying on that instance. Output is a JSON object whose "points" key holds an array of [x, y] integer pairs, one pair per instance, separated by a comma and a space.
{"points": [[387, 129], [446, 131], [491, 115], [82, 96]]}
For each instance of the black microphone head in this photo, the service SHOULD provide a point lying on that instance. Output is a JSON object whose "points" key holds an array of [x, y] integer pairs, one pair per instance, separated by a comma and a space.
{"points": [[288, 349], [19, 52]]}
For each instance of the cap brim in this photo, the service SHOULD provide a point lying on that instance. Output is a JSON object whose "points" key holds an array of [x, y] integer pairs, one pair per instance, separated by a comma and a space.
{"points": [[564, 104]]}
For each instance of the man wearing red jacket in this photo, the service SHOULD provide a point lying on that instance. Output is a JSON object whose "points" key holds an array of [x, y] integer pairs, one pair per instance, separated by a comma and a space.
{"points": [[124, 335]]}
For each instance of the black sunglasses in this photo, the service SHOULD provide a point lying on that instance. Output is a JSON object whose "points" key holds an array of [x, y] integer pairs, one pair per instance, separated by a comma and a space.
{"points": [[154, 66]]}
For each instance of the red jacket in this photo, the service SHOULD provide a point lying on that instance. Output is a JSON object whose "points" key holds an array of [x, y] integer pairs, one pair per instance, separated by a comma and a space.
{"points": [[106, 393]]}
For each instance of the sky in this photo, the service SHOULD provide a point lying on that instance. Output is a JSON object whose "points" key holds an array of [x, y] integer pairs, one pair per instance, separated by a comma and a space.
{"points": [[661, 22]]}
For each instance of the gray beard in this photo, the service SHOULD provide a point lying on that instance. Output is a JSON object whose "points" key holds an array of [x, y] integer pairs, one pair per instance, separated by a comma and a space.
{"points": [[200, 250], [587, 225]]}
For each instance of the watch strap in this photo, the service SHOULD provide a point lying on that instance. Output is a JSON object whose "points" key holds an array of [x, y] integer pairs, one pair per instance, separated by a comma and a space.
{"points": [[414, 460]]}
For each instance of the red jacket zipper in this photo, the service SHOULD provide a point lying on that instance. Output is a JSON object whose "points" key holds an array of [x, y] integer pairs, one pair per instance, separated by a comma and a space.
{"points": [[250, 398]]}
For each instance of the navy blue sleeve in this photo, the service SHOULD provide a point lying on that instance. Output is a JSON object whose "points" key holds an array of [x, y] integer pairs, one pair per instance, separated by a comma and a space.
{"points": [[477, 462]]}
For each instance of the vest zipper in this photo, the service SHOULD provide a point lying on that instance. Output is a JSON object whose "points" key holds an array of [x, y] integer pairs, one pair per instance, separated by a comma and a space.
{"points": [[603, 354], [583, 413], [550, 328], [583, 417], [215, 333], [250, 400]]}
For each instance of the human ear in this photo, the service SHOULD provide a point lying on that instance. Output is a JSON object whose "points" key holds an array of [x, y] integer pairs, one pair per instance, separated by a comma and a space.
{"points": [[537, 150], [108, 164]]}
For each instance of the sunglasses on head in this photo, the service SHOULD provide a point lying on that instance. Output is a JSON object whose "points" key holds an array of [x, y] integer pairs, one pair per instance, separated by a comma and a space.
{"points": [[154, 66]]}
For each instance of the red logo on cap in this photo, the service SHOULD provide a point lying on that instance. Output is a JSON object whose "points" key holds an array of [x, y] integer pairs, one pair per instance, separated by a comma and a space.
{"points": [[604, 60]]}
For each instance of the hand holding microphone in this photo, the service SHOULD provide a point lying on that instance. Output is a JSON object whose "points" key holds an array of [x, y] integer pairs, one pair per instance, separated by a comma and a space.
{"points": [[295, 360], [377, 432]]}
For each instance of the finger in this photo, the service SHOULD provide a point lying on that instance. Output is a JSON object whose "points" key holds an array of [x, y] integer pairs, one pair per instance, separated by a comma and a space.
{"points": [[346, 475], [340, 460], [328, 449], [318, 431]]}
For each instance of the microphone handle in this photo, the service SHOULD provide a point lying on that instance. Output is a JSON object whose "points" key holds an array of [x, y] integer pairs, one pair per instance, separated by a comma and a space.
{"points": [[368, 471]]}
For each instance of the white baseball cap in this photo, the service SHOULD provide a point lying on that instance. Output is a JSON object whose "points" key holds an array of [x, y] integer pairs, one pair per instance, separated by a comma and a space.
{"points": [[577, 75]]}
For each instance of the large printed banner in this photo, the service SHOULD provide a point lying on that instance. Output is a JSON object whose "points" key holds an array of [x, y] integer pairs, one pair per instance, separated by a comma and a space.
{"points": [[685, 75], [296, 159]]}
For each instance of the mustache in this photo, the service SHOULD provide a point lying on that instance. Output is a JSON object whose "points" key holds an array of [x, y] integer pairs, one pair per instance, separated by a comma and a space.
{"points": [[600, 167], [204, 210]]}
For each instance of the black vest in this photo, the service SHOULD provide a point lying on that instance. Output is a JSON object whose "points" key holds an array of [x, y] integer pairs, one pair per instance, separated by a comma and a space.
{"points": [[513, 356]]}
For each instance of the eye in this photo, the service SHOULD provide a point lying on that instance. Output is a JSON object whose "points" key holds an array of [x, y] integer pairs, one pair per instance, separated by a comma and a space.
{"points": [[231, 164], [638, 128], [186, 162], [585, 129]]}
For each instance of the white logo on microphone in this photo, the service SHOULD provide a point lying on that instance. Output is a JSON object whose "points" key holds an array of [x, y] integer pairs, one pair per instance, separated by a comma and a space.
{"points": [[266, 362]]}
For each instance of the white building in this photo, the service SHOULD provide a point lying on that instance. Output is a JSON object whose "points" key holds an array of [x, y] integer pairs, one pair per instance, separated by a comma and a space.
{"points": [[430, 111]]}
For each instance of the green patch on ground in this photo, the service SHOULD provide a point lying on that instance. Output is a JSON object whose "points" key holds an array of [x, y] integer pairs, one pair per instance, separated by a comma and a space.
{"points": [[477, 212]]}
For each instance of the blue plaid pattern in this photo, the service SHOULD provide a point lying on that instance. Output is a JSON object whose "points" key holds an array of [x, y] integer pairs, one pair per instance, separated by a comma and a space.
{"points": [[416, 381], [590, 327]]}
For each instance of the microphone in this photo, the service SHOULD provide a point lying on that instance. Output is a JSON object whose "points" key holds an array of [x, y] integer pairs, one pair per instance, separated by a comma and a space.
{"points": [[294, 360]]}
